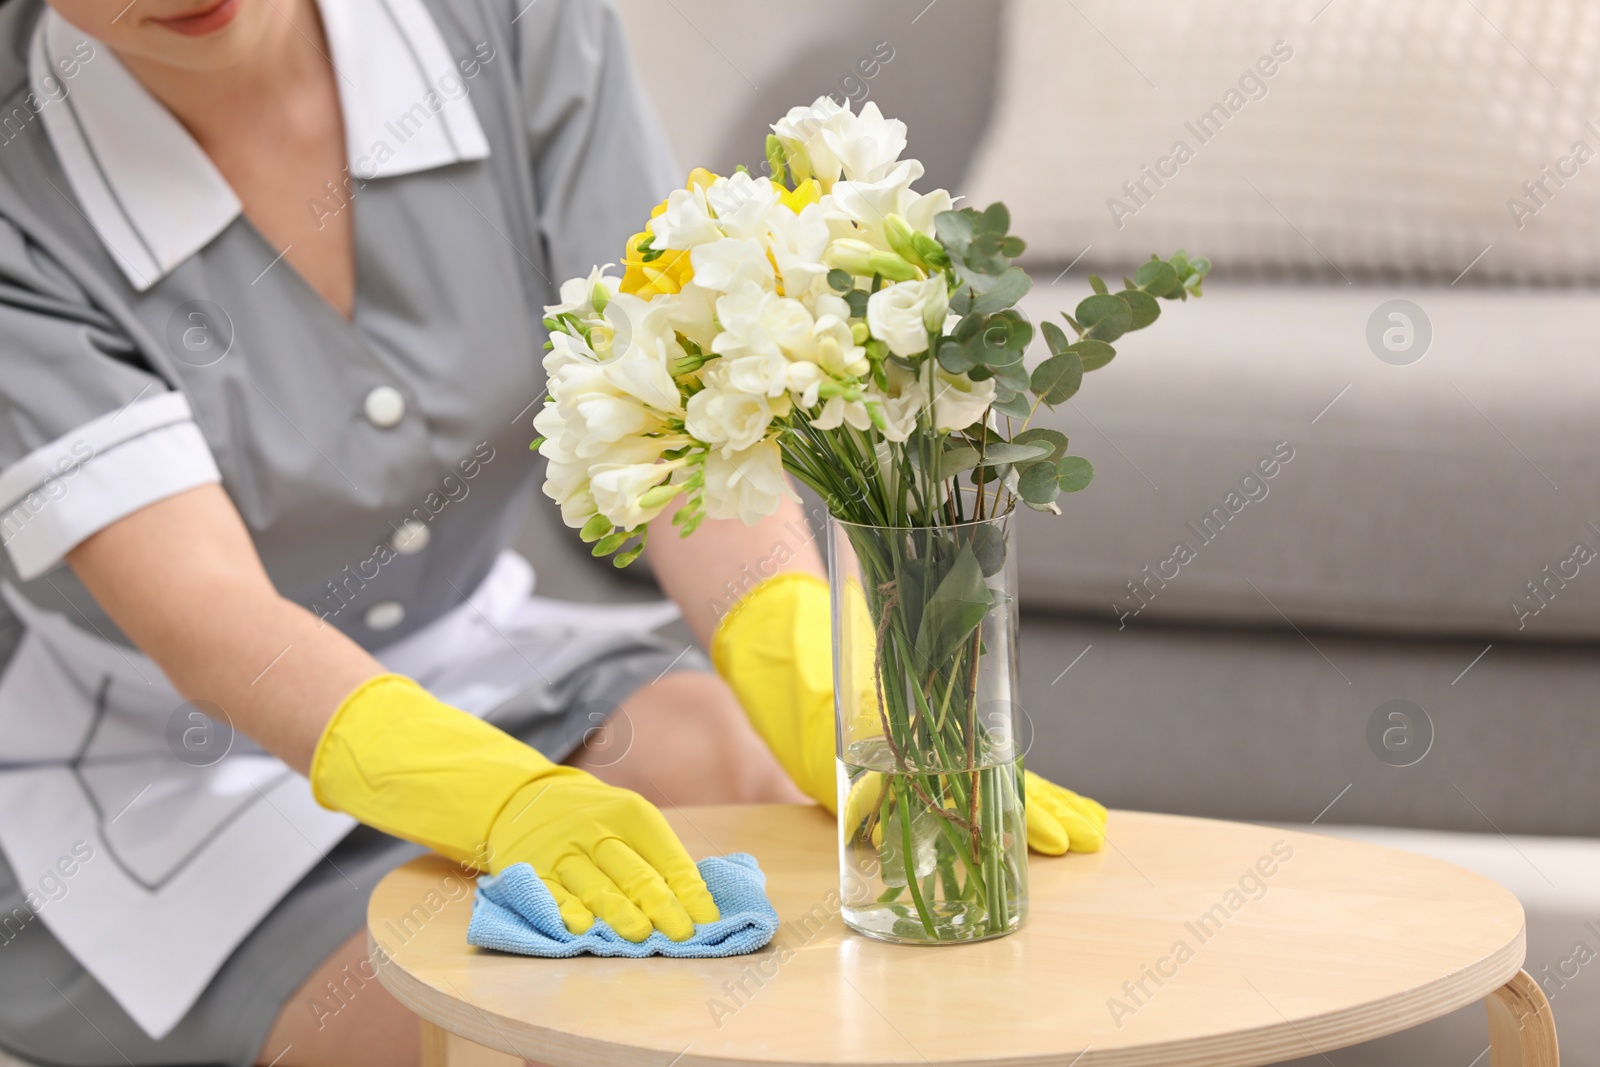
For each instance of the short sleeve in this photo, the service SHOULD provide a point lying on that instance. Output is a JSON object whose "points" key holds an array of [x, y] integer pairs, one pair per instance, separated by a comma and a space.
{"points": [[600, 156], [87, 433]]}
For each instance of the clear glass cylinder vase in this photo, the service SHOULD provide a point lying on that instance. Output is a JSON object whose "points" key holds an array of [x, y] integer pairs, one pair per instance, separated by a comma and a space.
{"points": [[932, 833]]}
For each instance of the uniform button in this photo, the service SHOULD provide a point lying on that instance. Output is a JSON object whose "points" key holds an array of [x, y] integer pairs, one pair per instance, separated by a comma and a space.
{"points": [[384, 407], [412, 537], [385, 615]]}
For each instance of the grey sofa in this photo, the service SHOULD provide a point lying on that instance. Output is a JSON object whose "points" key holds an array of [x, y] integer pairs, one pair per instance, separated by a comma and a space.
{"points": [[1387, 559]]}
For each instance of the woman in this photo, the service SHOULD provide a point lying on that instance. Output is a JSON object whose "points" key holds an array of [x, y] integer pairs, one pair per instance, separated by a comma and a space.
{"points": [[270, 280]]}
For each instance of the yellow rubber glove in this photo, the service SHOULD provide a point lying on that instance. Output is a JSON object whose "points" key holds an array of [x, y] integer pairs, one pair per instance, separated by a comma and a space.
{"points": [[1059, 819], [775, 650], [401, 761]]}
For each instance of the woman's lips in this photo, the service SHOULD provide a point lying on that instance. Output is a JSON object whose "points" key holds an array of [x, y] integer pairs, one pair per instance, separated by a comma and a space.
{"points": [[208, 19]]}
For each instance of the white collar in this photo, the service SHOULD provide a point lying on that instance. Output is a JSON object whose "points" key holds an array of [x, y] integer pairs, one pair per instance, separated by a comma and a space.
{"points": [[153, 196]]}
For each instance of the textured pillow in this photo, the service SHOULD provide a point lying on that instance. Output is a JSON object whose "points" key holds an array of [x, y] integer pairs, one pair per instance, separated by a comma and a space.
{"points": [[1367, 138]]}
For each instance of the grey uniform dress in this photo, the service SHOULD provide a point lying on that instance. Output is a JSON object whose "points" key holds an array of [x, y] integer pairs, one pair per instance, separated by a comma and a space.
{"points": [[167, 885]]}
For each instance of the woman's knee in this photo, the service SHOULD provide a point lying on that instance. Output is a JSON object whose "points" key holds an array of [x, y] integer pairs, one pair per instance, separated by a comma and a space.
{"points": [[341, 1014]]}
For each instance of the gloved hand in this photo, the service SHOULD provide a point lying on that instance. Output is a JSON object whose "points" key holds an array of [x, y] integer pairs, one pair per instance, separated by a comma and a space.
{"points": [[775, 650], [1059, 819], [401, 761]]}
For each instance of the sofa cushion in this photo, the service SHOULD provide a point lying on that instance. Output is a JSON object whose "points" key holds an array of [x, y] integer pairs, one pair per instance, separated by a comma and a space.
{"points": [[1349, 139], [1271, 727], [1421, 498]]}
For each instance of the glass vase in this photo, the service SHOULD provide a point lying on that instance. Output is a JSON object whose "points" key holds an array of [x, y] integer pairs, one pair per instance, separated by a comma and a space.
{"points": [[932, 834]]}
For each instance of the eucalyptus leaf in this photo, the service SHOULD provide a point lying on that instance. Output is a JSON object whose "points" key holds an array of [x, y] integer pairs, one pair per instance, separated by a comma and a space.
{"points": [[857, 299], [1006, 291], [956, 608], [1105, 318], [989, 546], [1055, 338], [1037, 483], [840, 280], [1143, 306], [1157, 277], [1057, 379], [1073, 473], [957, 459], [1044, 435], [954, 356], [1003, 452], [1015, 406], [1095, 354]]}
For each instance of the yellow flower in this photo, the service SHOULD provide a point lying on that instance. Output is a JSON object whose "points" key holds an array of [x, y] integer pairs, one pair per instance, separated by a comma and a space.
{"points": [[671, 270], [807, 192], [667, 273]]}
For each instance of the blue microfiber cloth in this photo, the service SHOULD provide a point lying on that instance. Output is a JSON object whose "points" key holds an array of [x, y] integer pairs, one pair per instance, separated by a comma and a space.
{"points": [[514, 912]]}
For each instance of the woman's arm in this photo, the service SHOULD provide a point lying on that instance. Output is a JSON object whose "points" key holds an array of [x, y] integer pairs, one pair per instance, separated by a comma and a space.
{"points": [[710, 571], [183, 581]]}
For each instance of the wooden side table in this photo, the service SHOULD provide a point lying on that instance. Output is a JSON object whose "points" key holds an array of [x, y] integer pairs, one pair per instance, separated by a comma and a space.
{"points": [[1185, 942]]}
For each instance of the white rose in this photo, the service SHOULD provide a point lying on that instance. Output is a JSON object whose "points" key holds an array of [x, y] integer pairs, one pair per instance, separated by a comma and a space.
{"points": [[903, 315], [958, 401], [746, 484]]}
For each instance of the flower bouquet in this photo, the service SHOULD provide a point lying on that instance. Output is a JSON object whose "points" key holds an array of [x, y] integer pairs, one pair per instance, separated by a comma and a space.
{"points": [[827, 320]]}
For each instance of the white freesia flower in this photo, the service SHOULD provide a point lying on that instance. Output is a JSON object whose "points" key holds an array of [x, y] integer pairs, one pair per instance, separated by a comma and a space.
{"points": [[832, 347], [687, 222], [746, 484], [801, 134], [958, 401], [729, 262], [901, 404], [869, 204], [577, 294], [693, 312], [595, 413], [757, 329], [797, 243], [920, 211], [727, 418], [866, 145], [837, 411], [904, 314], [618, 491], [741, 204]]}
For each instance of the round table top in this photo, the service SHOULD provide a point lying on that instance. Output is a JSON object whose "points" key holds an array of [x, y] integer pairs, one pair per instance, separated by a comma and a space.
{"points": [[1183, 942]]}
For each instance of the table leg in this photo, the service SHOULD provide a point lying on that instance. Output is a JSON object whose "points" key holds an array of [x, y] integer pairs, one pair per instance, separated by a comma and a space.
{"points": [[1522, 1032], [441, 1048]]}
